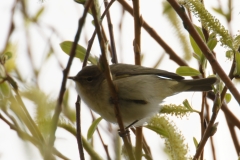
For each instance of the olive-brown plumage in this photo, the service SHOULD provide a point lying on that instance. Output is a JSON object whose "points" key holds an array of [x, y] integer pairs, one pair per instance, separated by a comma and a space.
{"points": [[140, 90]]}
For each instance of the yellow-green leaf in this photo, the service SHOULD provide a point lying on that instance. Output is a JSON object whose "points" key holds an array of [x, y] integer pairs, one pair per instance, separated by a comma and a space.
{"points": [[4, 90], [228, 97], [195, 142], [66, 46], [80, 1], [199, 30], [229, 54], [38, 14], [194, 45], [187, 105], [93, 127], [187, 71], [218, 10], [212, 43], [157, 130], [237, 68]]}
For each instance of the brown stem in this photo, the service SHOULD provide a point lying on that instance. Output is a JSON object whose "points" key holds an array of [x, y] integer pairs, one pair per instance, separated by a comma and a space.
{"points": [[90, 43], [104, 63], [58, 108], [110, 29], [137, 51], [205, 50], [229, 115], [146, 148], [234, 136], [104, 145], [11, 28], [211, 138], [172, 55], [202, 118], [209, 129], [78, 126], [137, 31]]}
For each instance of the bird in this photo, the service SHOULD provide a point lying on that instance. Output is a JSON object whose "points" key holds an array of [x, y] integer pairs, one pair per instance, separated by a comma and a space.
{"points": [[140, 90]]}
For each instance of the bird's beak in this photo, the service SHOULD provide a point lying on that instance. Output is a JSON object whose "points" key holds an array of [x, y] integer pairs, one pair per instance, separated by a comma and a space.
{"points": [[72, 78]]}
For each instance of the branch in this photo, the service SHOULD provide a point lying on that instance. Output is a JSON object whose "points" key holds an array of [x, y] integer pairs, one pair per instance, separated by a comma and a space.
{"points": [[90, 42], [78, 126], [103, 60], [110, 28], [211, 129], [137, 51], [58, 108], [172, 55], [205, 50]]}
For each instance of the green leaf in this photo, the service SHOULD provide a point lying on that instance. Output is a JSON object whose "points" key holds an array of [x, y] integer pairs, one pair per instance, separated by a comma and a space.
{"points": [[4, 57], [66, 46], [187, 105], [229, 54], [8, 55], [219, 11], [187, 71], [228, 97], [38, 14], [212, 43], [2, 72], [5, 90], [80, 1], [195, 142], [194, 45], [93, 127], [214, 129], [199, 30], [158, 130], [237, 68], [236, 42], [83, 3]]}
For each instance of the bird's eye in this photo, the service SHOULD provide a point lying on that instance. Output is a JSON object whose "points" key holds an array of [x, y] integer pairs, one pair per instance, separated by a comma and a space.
{"points": [[89, 79]]}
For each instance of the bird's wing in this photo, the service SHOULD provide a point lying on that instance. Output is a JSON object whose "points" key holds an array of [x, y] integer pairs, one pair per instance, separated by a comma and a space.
{"points": [[125, 70]]}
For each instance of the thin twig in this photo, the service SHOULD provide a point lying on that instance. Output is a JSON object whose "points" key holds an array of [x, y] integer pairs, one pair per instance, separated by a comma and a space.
{"points": [[58, 108], [137, 52], [146, 148], [234, 136], [215, 111], [215, 65], [104, 145], [104, 63], [78, 126], [211, 138], [90, 42], [100, 136], [202, 118], [11, 28], [137, 31], [205, 50], [229, 115], [112, 40], [209, 130], [85, 63], [172, 55]]}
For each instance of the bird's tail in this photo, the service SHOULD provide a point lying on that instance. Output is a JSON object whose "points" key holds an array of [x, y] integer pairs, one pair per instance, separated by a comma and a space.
{"points": [[200, 84]]}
